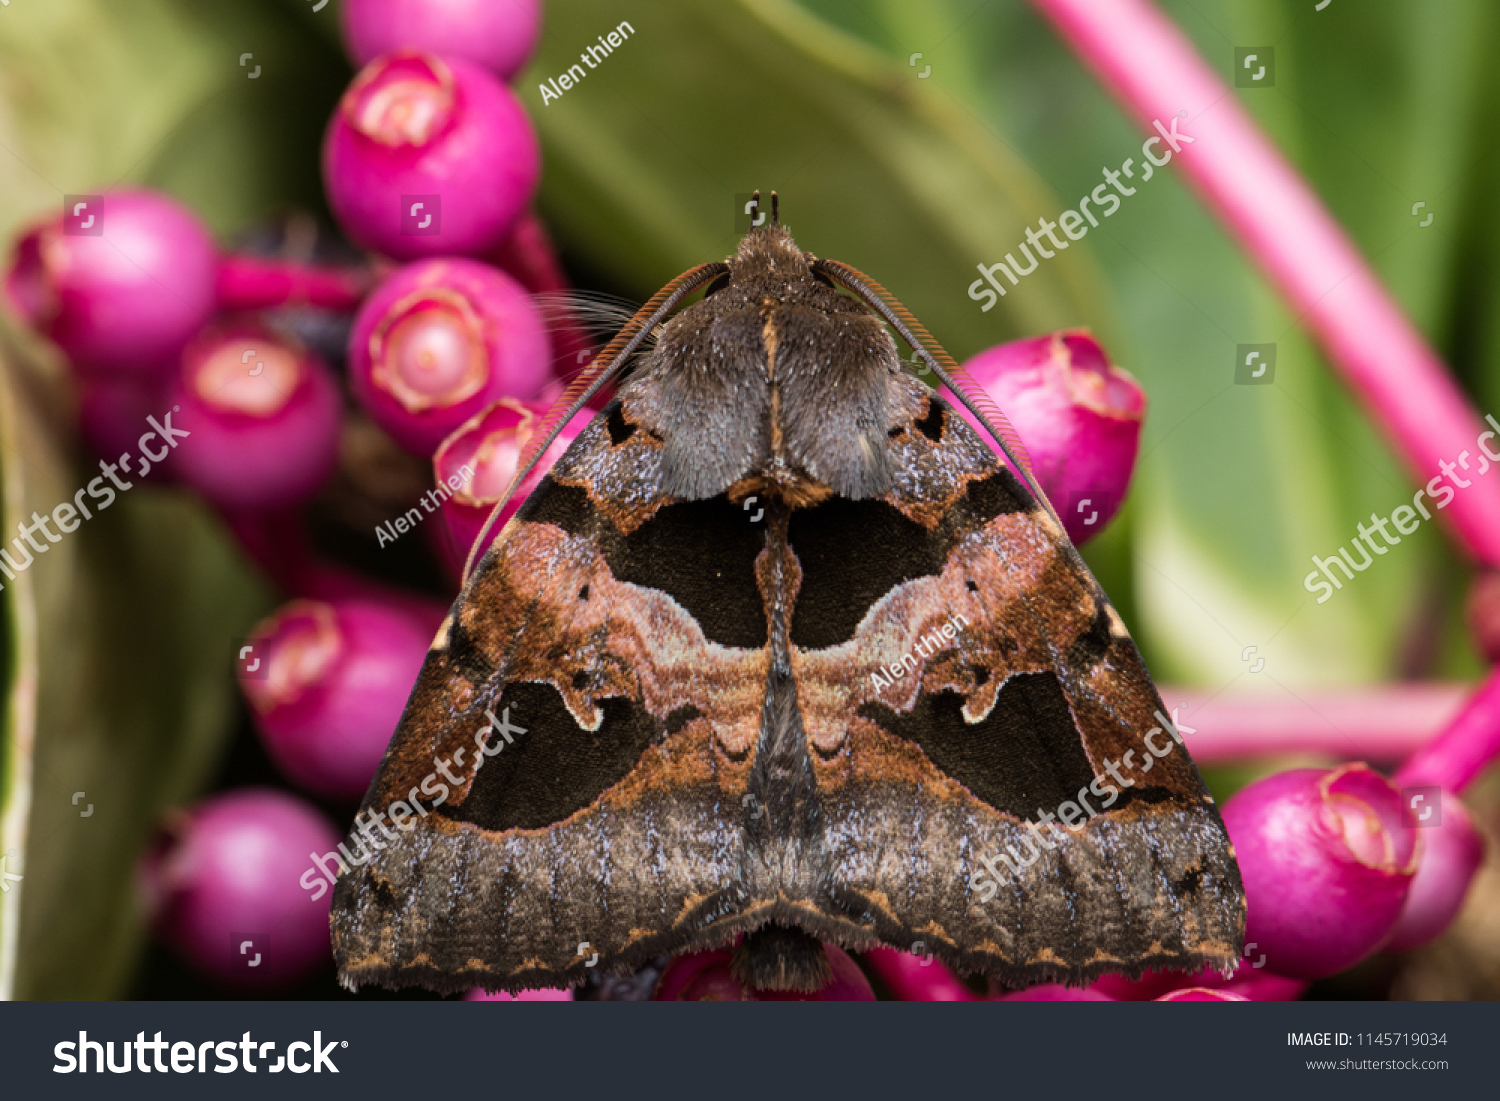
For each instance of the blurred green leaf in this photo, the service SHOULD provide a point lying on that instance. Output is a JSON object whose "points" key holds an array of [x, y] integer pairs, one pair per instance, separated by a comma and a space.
{"points": [[98, 95], [120, 645], [1379, 105], [703, 102]]}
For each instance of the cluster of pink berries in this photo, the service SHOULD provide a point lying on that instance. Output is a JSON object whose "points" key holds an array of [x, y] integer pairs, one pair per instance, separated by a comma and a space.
{"points": [[430, 163]]}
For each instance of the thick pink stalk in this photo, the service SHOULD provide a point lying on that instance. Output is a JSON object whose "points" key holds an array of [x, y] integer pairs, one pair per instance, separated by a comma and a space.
{"points": [[1467, 744], [1369, 724], [260, 282], [1149, 65]]}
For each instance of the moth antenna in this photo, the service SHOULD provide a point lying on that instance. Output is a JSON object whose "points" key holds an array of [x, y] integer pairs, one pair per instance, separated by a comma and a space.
{"points": [[588, 382], [775, 210], [958, 381]]}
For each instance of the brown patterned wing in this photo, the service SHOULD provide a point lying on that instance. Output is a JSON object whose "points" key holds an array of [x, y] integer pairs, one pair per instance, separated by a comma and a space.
{"points": [[960, 675], [570, 775]]}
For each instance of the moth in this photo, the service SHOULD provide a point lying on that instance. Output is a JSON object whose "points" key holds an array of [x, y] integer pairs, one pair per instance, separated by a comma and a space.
{"points": [[781, 652]]}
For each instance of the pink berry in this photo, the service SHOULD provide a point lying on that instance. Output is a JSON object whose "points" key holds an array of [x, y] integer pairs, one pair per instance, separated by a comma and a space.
{"points": [[330, 686], [1261, 986], [1202, 994], [222, 885], [1326, 863], [263, 414], [1079, 417], [123, 294], [706, 977], [916, 978], [438, 342], [497, 34], [482, 458], [1250, 980], [1452, 852], [546, 994], [1055, 992], [428, 157]]}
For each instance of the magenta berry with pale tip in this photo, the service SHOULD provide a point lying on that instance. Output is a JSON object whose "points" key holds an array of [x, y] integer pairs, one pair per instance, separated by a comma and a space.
{"points": [[1452, 852], [124, 299], [1078, 415], [497, 35], [481, 459], [1326, 862], [263, 416], [706, 977], [438, 342], [221, 888], [428, 156], [327, 682]]}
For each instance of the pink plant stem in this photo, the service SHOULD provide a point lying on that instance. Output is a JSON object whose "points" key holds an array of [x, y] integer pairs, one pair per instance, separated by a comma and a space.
{"points": [[274, 541], [260, 282], [277, 542], [1468, 743], [1154, 70], [530, 258], [1368, 724]]}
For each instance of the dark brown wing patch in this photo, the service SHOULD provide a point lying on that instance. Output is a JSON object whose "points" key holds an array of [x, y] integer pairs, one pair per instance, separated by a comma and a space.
{"points": [[1010, 759], [852, 553]]}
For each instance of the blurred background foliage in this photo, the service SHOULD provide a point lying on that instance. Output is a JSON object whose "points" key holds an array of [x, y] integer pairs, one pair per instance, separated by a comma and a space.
{"points": [[914, 169]]}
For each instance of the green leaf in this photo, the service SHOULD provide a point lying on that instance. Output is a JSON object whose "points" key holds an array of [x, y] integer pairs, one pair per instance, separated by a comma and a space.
{"points": [[100, 95], [119, 648]]}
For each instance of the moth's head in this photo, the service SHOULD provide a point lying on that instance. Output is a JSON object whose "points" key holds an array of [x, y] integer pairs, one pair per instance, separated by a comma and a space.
{"points": [[769, 261], [768, 251]]}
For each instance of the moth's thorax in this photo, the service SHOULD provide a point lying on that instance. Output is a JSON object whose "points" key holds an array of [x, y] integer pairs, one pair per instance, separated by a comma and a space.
{"points": [[775, 381]]}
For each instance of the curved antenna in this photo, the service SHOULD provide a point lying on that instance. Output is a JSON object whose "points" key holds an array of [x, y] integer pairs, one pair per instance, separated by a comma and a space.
{"points": [[588, 382], [958, 381]]}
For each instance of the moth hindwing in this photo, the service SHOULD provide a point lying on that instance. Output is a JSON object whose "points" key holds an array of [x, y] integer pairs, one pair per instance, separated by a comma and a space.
{"points": [[780, 650]]}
